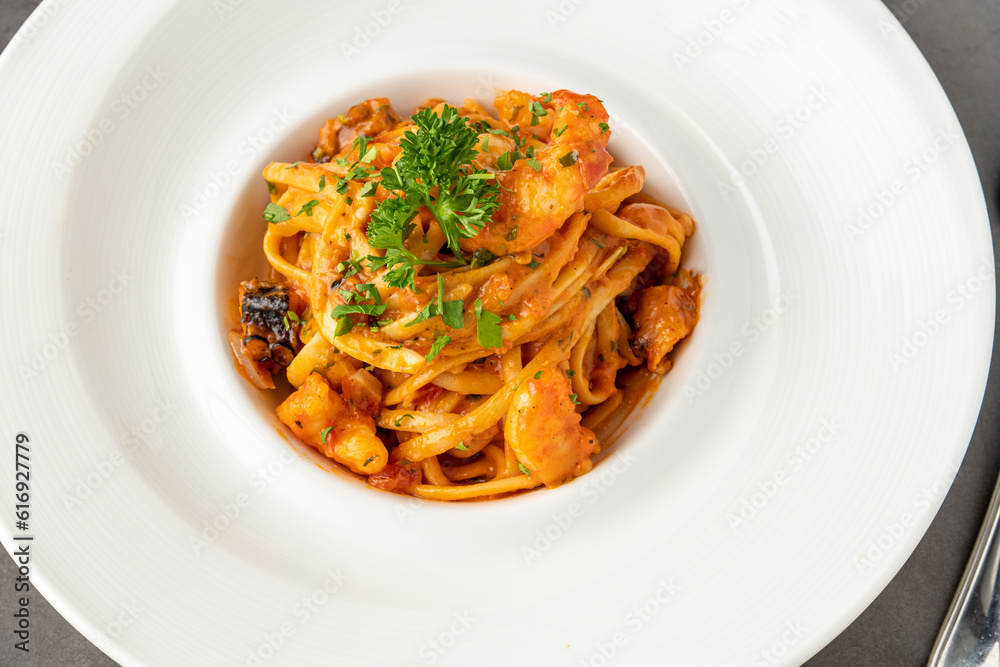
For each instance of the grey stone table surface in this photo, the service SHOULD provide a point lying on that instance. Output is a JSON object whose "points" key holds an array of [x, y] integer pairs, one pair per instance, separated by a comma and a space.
{"points": [[961, 41]]}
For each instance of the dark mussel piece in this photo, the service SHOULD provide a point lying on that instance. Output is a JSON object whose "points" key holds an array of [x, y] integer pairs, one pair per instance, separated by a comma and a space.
{"points": [[264, 313]]}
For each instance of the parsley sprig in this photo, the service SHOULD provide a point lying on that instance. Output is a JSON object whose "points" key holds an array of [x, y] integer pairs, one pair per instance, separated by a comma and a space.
{"points": [[433, 170]]}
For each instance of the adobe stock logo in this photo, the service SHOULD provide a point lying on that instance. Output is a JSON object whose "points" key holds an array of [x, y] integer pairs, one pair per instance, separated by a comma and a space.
{"points": [[364, 34]]}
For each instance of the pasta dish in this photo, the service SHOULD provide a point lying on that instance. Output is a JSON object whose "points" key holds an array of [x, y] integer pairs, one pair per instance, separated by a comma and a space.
{"points": [[465, 304]]}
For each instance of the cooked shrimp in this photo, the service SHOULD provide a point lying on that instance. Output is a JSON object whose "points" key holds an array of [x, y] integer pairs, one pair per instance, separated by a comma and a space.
{"points": [[543, 428], [536, 203], [663, 316], [321, 418]]}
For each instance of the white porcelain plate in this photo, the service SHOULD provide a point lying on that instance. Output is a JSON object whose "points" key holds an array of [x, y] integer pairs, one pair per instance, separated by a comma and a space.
{"points": [[785, 470]]}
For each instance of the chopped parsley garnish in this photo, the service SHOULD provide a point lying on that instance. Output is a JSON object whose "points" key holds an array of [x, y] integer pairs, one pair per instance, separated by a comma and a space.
{"points": [[546, 97], [506, 160], [349, 267], [534, 164], [368, 189], [614, 346], [436, 348], [534, 264], [488, 331], [520, 466], [322, 183], [399, 420], [436, 159], [450, 311], [569, 159], [559, 132], [342, 312], [511, 235], [344, 325], [538, 375], [293, 166], [370, 459], [482, 257], [462, 446], [604, 127], [370, 154], [274, 213], [307, 208], [597, 243], [537, 111], [572, 397], [570, 373], [583, 105], [325, 432], [271, 188], [290, 319]]}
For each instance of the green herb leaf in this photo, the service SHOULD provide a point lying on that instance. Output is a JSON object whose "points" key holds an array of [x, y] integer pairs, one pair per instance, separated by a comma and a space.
{"points": [[506, 160], [271, 188], [322, 183], [520, 466], [274, 213], [597, 243], [307, 208], [569, 159], [534, 164], [604, 127], [572, 397], [368, 189], [344, 325], [353, 305], [427, 312], [451, 313], [436, 348], [370, 459], [462, 446], [537, 111], [482, 257], [559, 132], [325, 432], [511, 235], [488, 331], [538, 375]]}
